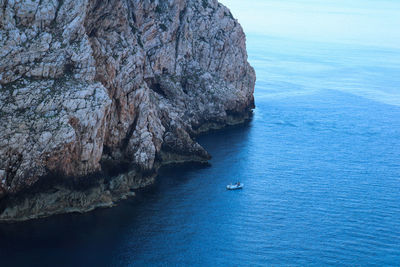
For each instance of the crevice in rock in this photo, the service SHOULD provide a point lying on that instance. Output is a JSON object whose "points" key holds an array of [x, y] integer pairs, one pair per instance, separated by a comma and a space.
{"points": [[129, 134], [68, 68], [60, 3], [156, 87], [178, 34]]}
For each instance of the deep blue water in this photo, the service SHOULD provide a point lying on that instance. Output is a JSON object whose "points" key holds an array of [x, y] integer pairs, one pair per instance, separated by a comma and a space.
{"points": [[320, 162]]}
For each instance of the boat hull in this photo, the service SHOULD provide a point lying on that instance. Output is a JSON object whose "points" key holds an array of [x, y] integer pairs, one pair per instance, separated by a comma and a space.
{"points": [[234, 187]]}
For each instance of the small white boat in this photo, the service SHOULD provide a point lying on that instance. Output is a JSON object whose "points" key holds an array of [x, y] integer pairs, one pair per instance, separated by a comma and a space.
{"points": [[234, 186]]}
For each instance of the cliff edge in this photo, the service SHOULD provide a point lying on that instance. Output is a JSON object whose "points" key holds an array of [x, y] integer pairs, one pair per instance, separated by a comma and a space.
{"points": [[95, 95]]}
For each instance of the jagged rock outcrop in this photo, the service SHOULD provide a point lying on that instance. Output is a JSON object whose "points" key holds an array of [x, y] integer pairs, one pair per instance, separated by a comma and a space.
{"points": [[103, 92]]}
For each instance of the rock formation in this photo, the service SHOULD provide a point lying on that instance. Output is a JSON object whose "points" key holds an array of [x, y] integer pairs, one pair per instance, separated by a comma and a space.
{"points": [[96, 94]]}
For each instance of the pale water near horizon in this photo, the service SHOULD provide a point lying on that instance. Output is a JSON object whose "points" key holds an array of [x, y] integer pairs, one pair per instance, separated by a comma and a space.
{"points": [[320, 162]]}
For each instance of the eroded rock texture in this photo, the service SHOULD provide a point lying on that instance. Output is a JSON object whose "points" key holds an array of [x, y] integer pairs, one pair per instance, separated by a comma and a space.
{"points": [[89, 84]]}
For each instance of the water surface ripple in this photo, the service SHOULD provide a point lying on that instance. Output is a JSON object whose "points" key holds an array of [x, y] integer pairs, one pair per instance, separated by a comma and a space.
{"points": [[321, 166]]}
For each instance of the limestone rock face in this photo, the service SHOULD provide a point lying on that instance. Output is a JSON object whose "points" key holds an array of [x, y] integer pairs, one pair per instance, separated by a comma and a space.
{"points": [[86, 84]]}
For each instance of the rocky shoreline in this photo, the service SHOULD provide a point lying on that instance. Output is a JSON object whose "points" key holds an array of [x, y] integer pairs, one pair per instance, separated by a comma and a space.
{"points": [[93, 89], [99, 190]]}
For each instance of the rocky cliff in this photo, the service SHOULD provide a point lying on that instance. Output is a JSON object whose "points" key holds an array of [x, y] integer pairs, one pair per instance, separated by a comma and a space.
{"points": [[96, 94]]}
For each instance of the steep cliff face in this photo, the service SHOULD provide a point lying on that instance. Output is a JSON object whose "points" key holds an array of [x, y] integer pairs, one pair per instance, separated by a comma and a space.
{"points": [[89, 88]]}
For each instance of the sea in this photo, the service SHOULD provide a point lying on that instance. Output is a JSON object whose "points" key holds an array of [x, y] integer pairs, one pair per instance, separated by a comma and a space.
{"points": [[320, 164]]}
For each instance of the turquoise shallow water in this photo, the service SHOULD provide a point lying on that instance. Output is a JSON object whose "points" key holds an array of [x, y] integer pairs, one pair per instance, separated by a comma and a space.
{"points": [[320, 162]]}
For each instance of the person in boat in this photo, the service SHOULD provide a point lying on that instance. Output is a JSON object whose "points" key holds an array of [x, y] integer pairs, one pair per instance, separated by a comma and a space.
{"points": [[238, 183]]}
